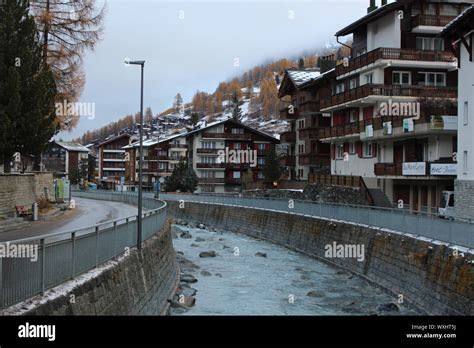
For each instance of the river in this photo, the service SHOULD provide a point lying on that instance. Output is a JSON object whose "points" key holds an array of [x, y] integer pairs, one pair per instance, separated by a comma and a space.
{"points": [[238, 282]]}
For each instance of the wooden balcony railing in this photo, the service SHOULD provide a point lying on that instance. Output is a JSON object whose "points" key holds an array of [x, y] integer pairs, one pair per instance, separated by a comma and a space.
{"points": [[391, 169], [232, 181], [308, 107], [389, 91], [309, 133], [211, 180], [431, 20], [308, 159], [208, 151], [210, 165], [288, 137], [394, 54], [244, 136]]}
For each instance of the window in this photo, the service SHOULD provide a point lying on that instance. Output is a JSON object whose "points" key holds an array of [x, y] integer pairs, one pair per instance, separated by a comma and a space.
{"points": [[162, 166], [301, 124], [237, 146], [207, 159], [431, 79], [260, 176], [352, 148], [464, 163], [369, 78], [209, 144], [339, 88], [367, 150], [429, 44], [236, 175], [466, 113], [261, 161], [353, 116], [261, 147], [237, 131], [208, 174], [300, 148], [339, 151], [352, 83], [401, 78]]}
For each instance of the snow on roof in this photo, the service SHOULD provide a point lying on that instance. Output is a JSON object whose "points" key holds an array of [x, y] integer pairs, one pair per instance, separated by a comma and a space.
{"points": [[70, 146], [463, 15], [300, 77], [153, 141]]}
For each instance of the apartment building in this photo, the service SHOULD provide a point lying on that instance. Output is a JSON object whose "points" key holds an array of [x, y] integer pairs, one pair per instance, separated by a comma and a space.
{"points": [[159, 159], [63, 157], [112, 159], [304, 89], [223, 151], [393, 107], [461, 32]]}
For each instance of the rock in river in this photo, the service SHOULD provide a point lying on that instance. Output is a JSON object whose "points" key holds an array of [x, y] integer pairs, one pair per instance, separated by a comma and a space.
{"points": [[207, 254]]}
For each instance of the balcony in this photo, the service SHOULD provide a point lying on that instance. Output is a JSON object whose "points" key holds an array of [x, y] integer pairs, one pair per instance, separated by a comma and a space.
{"points": [[211, 180], [233, 181], [430, 20], [210, 165], [178, 146], [375, 90], [309, 133], [286, 115], [227, 136], [288, 137], [394, 54], [308, 159], [208, 151], [308, 107]]}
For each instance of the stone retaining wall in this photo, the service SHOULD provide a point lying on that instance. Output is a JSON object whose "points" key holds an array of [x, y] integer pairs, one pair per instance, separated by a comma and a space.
{"points": [[428, 275], [23, 189], [139, 284]]}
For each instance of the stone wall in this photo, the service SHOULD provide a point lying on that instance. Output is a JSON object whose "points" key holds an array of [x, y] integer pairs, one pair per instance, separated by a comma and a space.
{"points": [[464, 199], [23, 189], [315, 192], [429, 276], [139, 284]]}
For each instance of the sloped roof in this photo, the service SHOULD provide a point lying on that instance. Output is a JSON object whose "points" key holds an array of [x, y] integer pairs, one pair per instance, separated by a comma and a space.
{"points": [[153, 141], [300, 77], [373, 16], [465, 17], [70, 146]]}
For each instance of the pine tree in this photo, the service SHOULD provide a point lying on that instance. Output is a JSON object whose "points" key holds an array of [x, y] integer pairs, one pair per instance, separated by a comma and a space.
{"points": [[235, 105], [272, 169], [183, 179], [27, 100]]}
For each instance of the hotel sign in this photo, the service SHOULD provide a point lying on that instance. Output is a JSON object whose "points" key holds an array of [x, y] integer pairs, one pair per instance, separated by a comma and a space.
{"points": [[443, 169], [414, 168]]}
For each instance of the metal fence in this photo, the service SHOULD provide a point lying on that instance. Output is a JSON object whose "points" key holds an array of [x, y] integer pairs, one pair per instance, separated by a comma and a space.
{"points": [[62, 256], [416, 223]]}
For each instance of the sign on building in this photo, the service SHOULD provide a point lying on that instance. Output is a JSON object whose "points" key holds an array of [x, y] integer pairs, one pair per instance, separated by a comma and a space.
{"points": [[414, 168]]}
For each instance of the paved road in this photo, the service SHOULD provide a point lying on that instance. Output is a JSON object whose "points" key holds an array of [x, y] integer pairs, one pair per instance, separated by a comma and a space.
{"points": [[87, 213]]}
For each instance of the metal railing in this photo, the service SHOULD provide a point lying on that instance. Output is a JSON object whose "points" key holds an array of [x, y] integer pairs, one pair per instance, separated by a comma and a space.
{"points": [[422, 224], [63, 256]]}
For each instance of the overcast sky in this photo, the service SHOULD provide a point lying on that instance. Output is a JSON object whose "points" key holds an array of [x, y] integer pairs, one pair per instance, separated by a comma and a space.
{"points": [[191, 45]]}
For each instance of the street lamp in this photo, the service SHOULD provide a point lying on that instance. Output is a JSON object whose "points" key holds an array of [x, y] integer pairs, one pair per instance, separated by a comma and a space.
{"points": [[140, 154]]}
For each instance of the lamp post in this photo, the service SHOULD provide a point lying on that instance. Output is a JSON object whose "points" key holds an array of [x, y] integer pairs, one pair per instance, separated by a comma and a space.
{"points": [[140, 154]]}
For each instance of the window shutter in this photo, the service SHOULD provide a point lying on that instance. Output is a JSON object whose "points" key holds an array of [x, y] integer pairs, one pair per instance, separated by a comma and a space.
{"points": [[374, 150], [346, 147], [333, 151]]}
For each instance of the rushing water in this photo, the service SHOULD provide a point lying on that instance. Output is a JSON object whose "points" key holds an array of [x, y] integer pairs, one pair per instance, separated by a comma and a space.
{"points": [[237, 281]]}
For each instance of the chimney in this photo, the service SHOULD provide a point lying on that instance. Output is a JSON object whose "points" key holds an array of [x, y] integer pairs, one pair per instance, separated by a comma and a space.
{"points": [[372, 6], [326, 63]]}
